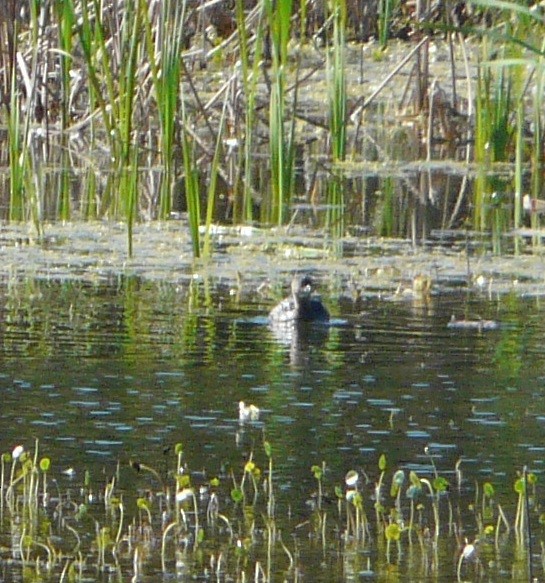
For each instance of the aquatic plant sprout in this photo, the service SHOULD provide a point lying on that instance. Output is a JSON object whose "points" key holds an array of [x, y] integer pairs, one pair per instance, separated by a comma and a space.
{"points": [[125, 520]]}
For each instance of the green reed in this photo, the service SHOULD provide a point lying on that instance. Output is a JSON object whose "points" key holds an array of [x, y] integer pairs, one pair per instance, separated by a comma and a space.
{"points": [[494, 133], [250, 77], [519, 153], [112, 70], [281, 132], [385, 11], [336, 67], [25, 175], [92, 35], [164, 43], [128, 152], [213, 178], [522, 47], [191, 180], [65, 22], [17, 155]]}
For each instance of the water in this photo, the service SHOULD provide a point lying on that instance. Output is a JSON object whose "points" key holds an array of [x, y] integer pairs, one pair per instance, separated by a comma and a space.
{"points": [[108, 375]]}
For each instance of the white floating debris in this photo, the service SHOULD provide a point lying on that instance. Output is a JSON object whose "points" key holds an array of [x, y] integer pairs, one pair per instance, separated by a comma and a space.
{"points": [[247, 412], [473, 324]]}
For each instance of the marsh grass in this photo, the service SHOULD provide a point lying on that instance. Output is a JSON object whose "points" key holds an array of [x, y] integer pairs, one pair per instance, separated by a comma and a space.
{"points": [[99, 69]]}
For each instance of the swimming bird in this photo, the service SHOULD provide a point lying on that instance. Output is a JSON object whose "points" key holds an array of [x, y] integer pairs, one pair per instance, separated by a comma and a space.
{"points": [[301, 305]]}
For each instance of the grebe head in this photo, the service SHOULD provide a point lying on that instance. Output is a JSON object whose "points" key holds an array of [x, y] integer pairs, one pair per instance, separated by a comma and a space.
{"points": [[302, 286]]}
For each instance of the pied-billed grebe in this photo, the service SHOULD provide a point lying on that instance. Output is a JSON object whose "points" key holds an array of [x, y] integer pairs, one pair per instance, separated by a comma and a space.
{"points": [[301, 305]]}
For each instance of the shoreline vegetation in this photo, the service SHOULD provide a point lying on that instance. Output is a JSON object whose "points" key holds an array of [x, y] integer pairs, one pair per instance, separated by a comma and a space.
{"points": [[260, 113]]}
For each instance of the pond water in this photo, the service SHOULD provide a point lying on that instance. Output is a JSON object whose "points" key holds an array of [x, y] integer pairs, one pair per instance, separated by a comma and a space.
{"points": [[110, 377]]}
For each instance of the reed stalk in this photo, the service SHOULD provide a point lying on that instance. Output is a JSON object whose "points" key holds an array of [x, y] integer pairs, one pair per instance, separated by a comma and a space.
{"points": [[16, 155], [536, 155], [191, 181], [24, 197], [65, 22], [281, 133], [164, 55], [214, 169], [336, 67], [385, 10], [493, 137], [250, 76], [519, 153], [99, 68], [128, 151]]}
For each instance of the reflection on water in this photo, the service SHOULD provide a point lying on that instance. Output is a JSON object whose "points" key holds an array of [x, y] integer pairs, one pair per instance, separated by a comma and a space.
{"points": [[102, 376], [300, 338]]}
